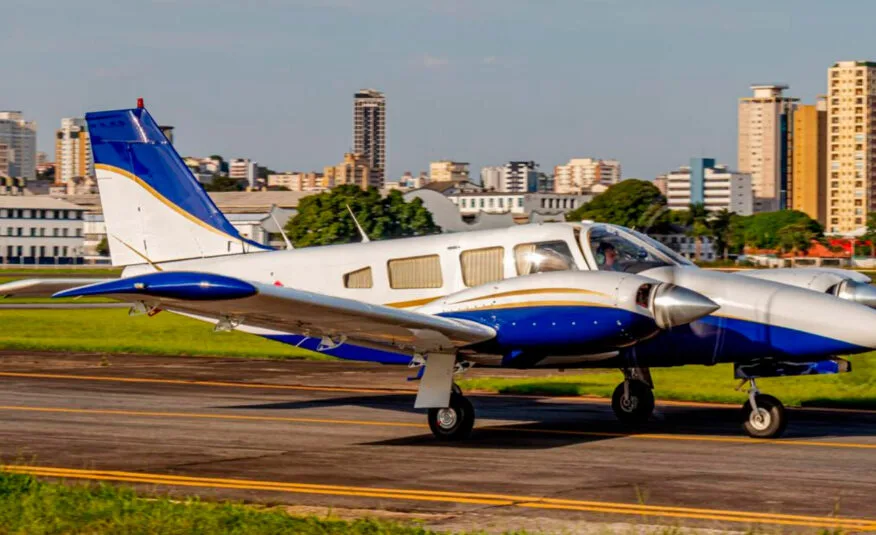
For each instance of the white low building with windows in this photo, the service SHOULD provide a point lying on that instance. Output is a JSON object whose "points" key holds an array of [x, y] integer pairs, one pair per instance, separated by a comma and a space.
{"points": [[517, 204], [38, 229]]}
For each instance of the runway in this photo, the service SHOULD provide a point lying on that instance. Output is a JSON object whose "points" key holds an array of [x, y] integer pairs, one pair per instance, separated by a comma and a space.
{"points": [[341, 435]]}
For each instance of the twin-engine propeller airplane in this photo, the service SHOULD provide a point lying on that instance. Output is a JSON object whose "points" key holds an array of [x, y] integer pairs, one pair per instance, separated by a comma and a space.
{"points": [[534, 296]]}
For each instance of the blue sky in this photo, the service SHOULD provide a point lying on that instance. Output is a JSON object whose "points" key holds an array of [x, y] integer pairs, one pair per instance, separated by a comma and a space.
{"points": [[651, 83]]}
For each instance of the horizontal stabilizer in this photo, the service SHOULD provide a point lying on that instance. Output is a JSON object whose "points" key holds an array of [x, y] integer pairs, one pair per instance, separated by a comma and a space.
{"points": [[43, 287], [172, 285]]}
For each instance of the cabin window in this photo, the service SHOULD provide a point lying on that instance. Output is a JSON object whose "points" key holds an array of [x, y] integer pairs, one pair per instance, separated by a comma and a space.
{"points": [[415, 272], [543, 256], [480, 266], [361, 278]]}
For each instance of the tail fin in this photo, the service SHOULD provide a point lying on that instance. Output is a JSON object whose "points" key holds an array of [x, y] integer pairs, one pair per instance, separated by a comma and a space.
{"points": [[154, 208]]}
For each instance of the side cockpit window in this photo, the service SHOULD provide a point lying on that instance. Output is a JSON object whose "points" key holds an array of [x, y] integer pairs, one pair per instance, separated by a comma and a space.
{"points": [[615, 250], [543, 256], [361, 278], [480, 266]]}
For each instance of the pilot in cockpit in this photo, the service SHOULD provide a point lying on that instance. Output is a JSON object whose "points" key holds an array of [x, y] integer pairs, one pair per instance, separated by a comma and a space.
{"points": [[606, 257]]}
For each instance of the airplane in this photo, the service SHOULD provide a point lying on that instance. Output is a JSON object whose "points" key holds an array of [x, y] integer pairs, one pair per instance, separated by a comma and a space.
{"points": [[557, 295]]}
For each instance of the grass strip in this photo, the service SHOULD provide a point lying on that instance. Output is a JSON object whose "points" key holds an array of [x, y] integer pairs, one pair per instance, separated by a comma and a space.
{"points": [[707, 383], [113, 331], [28, 505]]}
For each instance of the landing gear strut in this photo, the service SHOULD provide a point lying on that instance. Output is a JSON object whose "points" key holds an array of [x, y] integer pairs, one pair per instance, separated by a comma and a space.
{"points": [[633, 400], [454, 422], [763, 416]]}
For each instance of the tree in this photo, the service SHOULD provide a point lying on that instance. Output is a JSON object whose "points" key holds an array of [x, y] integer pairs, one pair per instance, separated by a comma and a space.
{"points": [[224, 183], [632, 203], [696, 218], [795, 238], [870, 235], [323, 219], [720, 224], [761, 231], [102, 247]]}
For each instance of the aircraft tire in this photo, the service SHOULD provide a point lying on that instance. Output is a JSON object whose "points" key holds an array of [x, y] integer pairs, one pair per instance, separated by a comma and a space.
{"points": [[455, 422], [638, 408], [769, 421]]}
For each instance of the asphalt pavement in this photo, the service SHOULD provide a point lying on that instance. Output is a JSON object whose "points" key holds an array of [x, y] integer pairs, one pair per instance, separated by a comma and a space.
{"points": [[344, 436]]}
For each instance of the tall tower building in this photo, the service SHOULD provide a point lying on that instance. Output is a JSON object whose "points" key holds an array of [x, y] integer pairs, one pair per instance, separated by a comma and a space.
{"points": [[72, 151], [369, 129], [19, 136], [807, 189], [764, 146], [851, 191]]}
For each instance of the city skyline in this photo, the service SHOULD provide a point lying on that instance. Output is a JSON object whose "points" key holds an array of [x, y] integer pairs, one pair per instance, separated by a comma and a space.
{"points": [[463, 84]]}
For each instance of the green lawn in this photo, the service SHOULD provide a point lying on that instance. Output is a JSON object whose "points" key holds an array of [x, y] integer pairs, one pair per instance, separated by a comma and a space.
{"points": [[113, 331], [708, 383], [28, 505]]}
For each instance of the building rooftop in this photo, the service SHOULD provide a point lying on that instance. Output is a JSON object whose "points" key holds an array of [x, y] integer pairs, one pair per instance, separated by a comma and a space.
{"points": [[37, 202]]}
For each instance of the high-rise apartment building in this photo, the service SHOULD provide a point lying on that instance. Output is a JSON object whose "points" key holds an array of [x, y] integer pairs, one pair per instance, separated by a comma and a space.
{"points": [[714, 186], [72, 151], [243, 169], [851, 115], [581, 174], [353, 170], [4, 159], [369, 129], [491, 177], [519, 176], [807, 188], [764, 145], [20, 138], [297, 181], [448, 171]]}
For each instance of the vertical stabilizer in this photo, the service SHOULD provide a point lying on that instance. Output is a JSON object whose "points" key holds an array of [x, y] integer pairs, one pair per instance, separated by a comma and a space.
{"points": [[154, 208]]}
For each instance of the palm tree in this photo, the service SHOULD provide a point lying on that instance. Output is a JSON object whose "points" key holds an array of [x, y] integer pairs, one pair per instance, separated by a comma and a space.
{"points": [[698, 227], [719, 223]]}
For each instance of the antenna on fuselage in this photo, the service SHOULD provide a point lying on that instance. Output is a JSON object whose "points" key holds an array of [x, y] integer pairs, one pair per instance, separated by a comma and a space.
{"points": [[282, 232], [365, 238]]}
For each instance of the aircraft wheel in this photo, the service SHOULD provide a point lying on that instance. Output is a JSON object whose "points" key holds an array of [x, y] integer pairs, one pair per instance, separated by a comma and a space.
{"points": [[768, 421], [454, 422], [636, 408]]}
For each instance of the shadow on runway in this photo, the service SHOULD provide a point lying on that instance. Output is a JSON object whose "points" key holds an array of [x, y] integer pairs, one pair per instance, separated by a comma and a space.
{"points": [[550, 423]]}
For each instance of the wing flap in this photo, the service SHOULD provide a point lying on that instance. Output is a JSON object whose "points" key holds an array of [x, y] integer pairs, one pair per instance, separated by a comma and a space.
{"points": [[290, 310]]}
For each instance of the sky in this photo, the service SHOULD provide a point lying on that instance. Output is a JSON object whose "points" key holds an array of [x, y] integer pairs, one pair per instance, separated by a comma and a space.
{"points": [[651, 83]]}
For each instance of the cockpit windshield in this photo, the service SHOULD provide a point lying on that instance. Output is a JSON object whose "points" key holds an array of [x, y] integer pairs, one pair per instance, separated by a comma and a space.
{"points": [[619, 249]]}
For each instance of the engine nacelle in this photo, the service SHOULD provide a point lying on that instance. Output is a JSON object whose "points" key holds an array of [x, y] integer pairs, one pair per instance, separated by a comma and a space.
{"points": [[845, 284], [573, 312]]}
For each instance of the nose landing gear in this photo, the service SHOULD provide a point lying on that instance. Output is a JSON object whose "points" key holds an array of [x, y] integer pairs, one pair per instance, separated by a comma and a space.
{"points": [[763, 416]]}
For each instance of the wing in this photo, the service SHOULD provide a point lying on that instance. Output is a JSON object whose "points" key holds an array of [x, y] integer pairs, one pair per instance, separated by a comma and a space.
{"points": [[290, 310], [43, 287]]}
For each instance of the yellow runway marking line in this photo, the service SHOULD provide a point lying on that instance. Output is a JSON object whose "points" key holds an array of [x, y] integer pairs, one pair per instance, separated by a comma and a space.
{"points": [[195, 382], [387, 391], [455, 497], [409, 425]]}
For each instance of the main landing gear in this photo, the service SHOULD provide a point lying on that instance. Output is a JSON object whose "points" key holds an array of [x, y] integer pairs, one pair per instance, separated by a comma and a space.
{"points": [[763, 416], [633, 399], [454, 422]]}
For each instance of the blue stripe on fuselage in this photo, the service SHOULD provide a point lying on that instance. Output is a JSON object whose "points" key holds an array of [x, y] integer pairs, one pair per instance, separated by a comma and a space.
{"points": [[560, 330], [716, 339], [346, 350]]}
